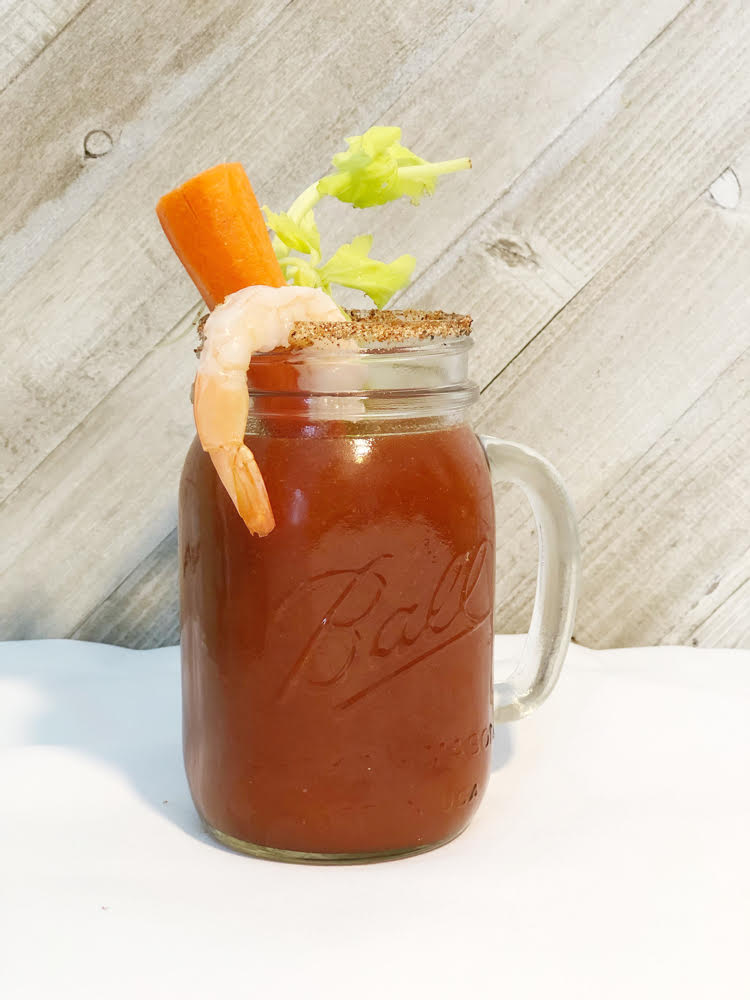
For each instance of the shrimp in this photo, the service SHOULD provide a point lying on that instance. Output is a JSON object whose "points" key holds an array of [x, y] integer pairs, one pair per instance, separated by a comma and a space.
{"points": [[257, 318]]}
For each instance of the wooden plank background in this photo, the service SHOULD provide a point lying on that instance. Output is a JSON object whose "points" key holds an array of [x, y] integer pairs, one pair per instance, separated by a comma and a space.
{"points": [[602, 243]]}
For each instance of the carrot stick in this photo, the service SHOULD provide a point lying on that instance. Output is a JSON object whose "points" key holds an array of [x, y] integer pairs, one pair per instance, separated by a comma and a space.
{"points": [[216, 228]]}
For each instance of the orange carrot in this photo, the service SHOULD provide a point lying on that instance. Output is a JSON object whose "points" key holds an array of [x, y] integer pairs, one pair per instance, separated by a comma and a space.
{"points": [[217, 230]]}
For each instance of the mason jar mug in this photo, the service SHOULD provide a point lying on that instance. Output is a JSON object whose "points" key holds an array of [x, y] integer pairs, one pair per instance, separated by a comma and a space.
{"points": [[337, 674]]}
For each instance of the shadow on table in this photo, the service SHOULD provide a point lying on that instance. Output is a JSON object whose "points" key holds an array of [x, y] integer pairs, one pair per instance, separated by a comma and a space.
{"points": [[123, 708], [502, 748]]}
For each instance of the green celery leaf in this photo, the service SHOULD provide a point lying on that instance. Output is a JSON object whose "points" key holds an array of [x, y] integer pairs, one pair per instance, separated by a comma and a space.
{"points": [[299, 235], [352, 267], [300, 271], [376, 169]]}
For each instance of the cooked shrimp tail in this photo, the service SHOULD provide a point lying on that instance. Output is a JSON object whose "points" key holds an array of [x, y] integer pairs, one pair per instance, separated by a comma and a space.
{"points": [[221, 406], [242, 480], [258, 318]]}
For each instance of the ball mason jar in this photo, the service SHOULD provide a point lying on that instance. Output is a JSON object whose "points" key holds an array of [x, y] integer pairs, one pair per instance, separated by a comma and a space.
{"points": [[337, 673]]}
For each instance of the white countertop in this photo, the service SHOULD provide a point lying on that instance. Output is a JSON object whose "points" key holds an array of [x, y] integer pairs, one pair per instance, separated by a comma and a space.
{"points": [[610, 858]]}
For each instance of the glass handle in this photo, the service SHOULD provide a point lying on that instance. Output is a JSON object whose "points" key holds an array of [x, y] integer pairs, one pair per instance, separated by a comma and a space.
{"points": [[557, 576]]}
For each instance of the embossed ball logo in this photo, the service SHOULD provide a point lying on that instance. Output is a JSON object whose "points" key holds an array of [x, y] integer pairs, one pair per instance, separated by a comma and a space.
{"points": [[363, 640]]}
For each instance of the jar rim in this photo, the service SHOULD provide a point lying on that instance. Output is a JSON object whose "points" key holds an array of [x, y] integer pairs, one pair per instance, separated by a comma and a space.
{"points": [[385, 327], [382, 381], [328, 350]]}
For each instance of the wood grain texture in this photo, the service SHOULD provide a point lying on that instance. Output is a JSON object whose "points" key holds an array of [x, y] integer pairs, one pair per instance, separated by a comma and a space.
{"points": [[144, 610], [616, 178], [610, 293], [600, 389], [702, 456], [602, 415], [26, 29], [728, 625]]}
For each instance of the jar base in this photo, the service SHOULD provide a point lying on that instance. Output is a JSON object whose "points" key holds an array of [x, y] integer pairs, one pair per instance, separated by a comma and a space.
{"points": [[313, 858]]}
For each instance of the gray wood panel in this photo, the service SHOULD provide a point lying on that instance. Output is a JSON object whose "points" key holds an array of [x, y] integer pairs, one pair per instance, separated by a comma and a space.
{"points": [[609, 288], [27, 27]]}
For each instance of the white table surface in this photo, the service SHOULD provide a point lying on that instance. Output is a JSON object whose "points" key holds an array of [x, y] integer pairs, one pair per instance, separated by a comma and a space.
{"points": [[610, 858]]}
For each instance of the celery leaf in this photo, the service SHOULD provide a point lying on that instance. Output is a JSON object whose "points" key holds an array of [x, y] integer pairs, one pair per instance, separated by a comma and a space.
{"points": [[299, 234], [352, 267], [376, 169]]}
